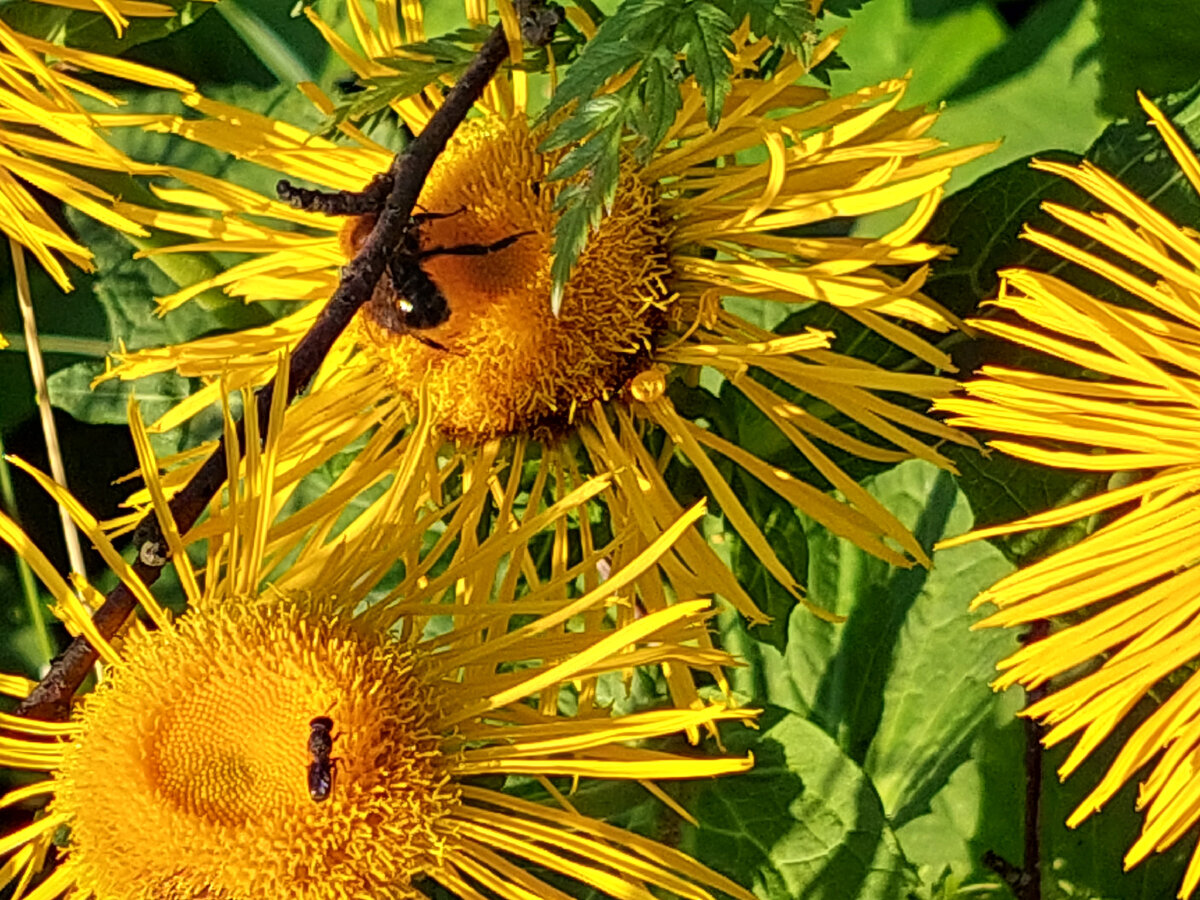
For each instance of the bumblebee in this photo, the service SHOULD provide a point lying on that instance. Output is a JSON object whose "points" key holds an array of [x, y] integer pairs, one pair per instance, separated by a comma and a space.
{"points": [[414, 302]]}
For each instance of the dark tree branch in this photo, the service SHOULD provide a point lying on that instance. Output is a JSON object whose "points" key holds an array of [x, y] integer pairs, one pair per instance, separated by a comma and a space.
{"points": [[393, 195]]}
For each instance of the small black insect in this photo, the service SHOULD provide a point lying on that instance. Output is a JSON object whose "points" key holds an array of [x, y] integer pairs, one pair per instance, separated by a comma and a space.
{"points": [[320, 770], [414, 301]]}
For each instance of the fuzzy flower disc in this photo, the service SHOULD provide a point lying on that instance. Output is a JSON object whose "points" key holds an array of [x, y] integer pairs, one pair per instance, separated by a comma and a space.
{"points": [[190, 776], [503, 363]]}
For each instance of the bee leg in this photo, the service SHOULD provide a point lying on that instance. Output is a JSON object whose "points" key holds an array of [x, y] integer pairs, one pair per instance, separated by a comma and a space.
{"points": [[427, 341], [474, 249], [427, 216], [338, 203]]}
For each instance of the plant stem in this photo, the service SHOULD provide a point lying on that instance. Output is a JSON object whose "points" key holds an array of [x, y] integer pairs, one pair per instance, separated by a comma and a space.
{"points": [[37, 370]]}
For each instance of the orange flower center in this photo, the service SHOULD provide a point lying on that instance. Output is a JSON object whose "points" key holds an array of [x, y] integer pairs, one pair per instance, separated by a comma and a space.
{"points": [[191, 776], [502, 362]]}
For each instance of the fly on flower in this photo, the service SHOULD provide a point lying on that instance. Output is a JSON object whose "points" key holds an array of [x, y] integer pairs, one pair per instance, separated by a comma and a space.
{"points": [[320, 769]]}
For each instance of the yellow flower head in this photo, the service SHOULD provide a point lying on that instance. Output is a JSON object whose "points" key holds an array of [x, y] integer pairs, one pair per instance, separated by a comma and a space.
{"points": [[208, 726], [1132, 585], [503, 363], [315, 729], [714, 214]]}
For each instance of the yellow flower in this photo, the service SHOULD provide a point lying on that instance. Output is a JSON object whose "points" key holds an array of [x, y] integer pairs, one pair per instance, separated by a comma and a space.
{"points": [[1131, 586], [712, 215], [201, 766], [42, 125]]}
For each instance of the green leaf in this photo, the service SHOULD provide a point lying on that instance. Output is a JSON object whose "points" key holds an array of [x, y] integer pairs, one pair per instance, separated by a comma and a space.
{"points": [[703, 31], [412, 78], [71, 391], [935, 693], [980, 806], [660, 101], [599, 61], [584, 205], [88, 30], [999, 82], [805, 822], [596, 114], [844, 672], [902, 685], [127, 288], [785, 22]]}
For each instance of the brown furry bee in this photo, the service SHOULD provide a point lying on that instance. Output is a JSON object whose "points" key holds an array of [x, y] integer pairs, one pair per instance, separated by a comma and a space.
{"points": [[414, 301]]}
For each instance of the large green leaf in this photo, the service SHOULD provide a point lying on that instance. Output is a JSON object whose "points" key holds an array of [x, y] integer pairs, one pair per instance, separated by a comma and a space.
{"points": [[1147, 47], [67, 319], [935, 692], [1035, 86], [980, 808], [903, 684], [805, 822], [845, 672], [125, 289]]}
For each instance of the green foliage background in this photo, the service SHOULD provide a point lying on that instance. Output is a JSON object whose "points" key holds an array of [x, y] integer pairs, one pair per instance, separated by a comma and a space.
{"points": [[886, 766]]}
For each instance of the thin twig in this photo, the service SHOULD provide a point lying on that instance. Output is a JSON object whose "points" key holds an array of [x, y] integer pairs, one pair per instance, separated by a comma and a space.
{"points": [[51, 698], [37, 371]]}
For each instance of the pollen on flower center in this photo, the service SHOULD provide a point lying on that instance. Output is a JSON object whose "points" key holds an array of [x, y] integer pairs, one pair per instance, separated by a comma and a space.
{"points": [[503, 362], [190, 776]]}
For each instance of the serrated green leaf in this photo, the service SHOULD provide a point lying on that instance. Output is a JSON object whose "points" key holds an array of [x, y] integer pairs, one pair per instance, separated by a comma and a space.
{"points": [[823, 71], [594, 115], [595, 65], [412, 78], [661, 101], [785, 22], [804, 822], [461, 44], [584, 205], [702, 31]]}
